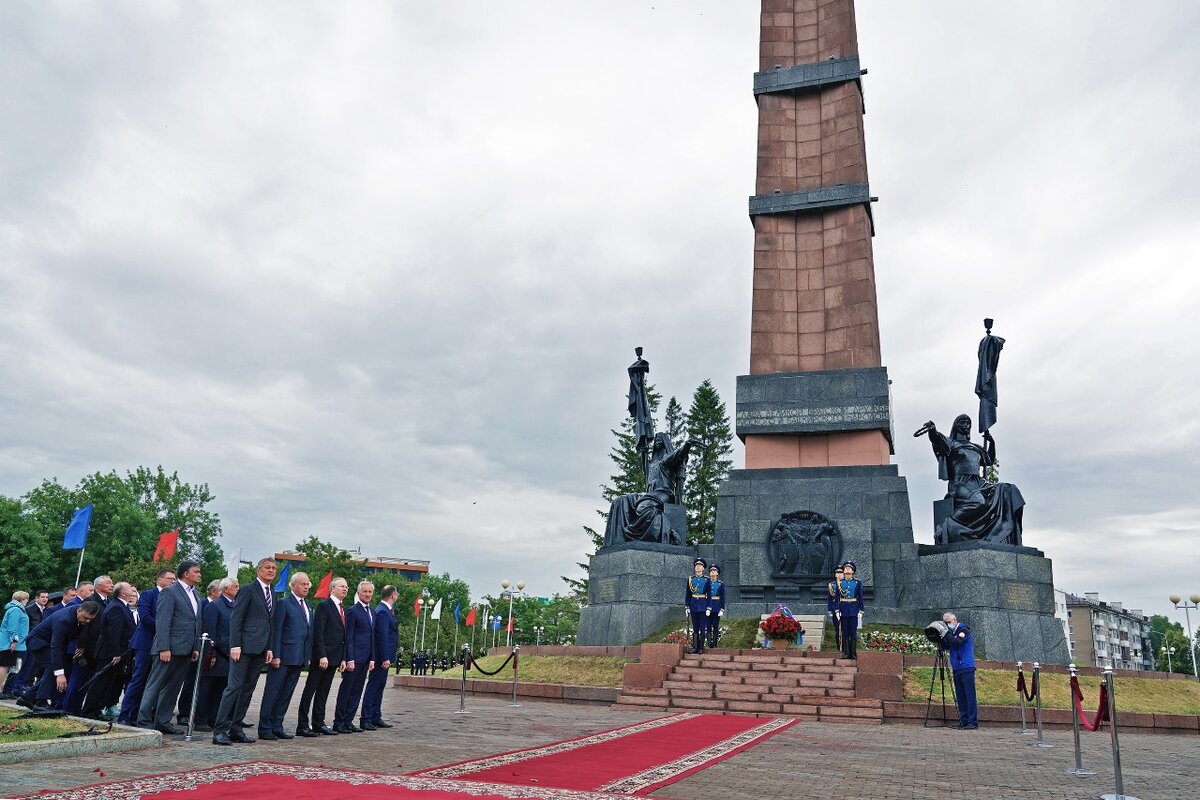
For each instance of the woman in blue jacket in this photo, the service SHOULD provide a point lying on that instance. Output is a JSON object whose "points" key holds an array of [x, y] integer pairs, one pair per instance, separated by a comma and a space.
{"points": [[14, 630]]}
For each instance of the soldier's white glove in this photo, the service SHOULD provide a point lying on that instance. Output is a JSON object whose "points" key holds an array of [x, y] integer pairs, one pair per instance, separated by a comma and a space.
{"points": [[708, 612], [721, 613], [860, 619]]}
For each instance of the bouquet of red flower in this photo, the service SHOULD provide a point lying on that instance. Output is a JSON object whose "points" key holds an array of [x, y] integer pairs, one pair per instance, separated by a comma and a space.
{"points": [[780, 626]]}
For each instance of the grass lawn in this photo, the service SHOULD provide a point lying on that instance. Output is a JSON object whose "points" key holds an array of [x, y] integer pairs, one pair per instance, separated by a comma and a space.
{"points": [[740, 632], [999, 688], [33, 730], [574, 670]]}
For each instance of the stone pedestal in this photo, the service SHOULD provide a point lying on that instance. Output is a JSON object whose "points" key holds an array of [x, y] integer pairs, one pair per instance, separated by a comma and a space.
{"points": [[634, 589], [1004, 593]]}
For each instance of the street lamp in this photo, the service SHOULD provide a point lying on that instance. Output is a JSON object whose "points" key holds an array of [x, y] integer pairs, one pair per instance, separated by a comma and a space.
{"points": [[1195, 598], [538, 630], [420, 603], [1168, 652], [425, 623], [504, 584]]}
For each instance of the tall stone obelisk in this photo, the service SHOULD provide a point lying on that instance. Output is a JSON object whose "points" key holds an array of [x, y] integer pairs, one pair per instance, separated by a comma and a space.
{"points": [[814, 410]]}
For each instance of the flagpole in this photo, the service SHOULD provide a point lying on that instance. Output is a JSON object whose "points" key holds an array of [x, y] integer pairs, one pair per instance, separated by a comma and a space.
{"points": [[79, 571]]}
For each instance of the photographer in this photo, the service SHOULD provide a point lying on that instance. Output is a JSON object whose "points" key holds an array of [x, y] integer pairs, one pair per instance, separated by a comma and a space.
{"points": [[961, 645]]}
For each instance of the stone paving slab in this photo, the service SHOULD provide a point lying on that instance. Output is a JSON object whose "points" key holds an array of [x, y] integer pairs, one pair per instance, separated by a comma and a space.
{"points": [[892, 761]]}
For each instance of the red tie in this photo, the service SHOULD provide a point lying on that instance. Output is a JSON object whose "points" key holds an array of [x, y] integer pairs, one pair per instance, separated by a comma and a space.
{"points": [[342, 611]]}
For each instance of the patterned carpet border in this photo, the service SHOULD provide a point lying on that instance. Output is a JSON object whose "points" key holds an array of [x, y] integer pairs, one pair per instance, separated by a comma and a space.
{"points": [[656, 777], [136, 788], [515, 756]]}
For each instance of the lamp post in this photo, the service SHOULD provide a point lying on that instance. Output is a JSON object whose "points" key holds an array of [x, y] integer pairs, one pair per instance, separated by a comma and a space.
{"points": [[1195, 598], [504, 584], [425, 623], [1167, 651], [538, 630], [420, 603]]}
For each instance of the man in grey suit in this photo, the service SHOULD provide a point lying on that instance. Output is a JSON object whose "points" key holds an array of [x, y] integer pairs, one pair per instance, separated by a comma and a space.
{"points": [[249, 648], [176, 639]]}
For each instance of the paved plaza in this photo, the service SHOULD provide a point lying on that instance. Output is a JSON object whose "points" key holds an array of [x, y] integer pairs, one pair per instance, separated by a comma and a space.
{"points": [[890, 761]]}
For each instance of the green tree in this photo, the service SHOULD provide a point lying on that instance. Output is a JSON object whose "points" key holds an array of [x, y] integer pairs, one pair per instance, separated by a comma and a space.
{"points": [[30, 561], [676, 425], [708, 422], [1167, 634], [557, 616]]}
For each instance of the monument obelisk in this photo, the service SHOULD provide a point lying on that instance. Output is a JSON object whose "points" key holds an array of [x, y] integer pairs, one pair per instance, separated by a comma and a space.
{"points": [[814, 410]]}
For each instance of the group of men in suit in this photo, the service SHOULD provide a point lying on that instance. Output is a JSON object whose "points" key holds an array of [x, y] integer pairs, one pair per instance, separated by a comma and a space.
{"points": [[146, 647]]}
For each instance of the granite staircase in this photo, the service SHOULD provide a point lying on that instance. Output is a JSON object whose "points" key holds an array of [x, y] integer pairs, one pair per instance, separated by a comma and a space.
{"points": [[808, 685]]}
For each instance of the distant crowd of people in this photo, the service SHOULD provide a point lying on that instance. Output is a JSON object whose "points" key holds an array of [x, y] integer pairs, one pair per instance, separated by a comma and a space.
{"points": [[109, 651]]}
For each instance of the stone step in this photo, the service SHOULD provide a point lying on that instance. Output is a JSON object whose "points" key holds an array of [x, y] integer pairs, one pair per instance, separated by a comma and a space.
{"points": [[644, 702]]}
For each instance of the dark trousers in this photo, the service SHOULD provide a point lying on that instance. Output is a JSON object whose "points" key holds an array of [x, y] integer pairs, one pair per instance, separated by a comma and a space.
{"points": [[277, 696], [850, 635], [208, 698], [964, 696], [837, 630], [186, 693], [19, 681], [349, 693], [104, 691], [235, 700], [73, 699], [372, 703], [137, 685], [714, 627], [698, 627], [39, 667], [316, 695], [162, 691]]}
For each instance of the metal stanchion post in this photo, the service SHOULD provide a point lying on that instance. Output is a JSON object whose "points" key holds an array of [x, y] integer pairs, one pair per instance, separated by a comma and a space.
{"points": [[1025, 730], [191, 728], [462, 689], [1116, 747], [1037, 708], [516, 658], [1078, 770]]}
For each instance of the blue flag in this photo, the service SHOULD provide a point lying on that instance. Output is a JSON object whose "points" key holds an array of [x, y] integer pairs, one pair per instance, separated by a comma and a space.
{"points": [[496, 623], [457, 612], [282, 584], [75, 537]]}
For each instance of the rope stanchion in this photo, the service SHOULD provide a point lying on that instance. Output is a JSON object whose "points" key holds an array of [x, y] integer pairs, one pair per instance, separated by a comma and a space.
{"points": [[1077, 718], [1077, 702], [515, 653], [1022, 696], [462, 689], [1037, 709], [191, 726], [1116, 746]]}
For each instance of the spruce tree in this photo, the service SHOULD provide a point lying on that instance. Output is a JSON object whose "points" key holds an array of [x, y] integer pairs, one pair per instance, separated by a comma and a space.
{"points": [[676, 428], [708, 422]]}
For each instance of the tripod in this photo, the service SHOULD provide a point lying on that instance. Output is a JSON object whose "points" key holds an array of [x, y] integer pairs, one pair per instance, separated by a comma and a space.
{"points": [[940, 666]]}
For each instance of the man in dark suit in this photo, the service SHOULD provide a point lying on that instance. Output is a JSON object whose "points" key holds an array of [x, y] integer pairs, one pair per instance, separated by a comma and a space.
{"points": [[141, 643], [249, 648], [85, 649], [176, 641], [117, 624], [291, 644], [386, 638], [360, 659], [215, 677], [328, 659], [36, 607], [48, 646]]}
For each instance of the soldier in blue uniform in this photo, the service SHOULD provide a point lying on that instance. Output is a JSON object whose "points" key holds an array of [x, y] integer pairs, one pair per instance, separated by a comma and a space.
{"points": [[850, 608], [695, 600], [832, 603], [716, 603]]}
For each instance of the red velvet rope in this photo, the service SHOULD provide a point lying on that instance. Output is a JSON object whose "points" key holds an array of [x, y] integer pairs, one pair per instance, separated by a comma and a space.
{"points": [[1101, 712], [1031, 693]]}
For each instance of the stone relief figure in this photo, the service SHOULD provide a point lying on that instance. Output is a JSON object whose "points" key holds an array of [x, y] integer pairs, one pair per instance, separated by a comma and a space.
{"points": [[983, 511], [804, 543], [639, 517]]}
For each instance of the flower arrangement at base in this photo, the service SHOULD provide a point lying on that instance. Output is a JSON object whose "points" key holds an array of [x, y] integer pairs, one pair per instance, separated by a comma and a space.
{"points": [[781, 626]]}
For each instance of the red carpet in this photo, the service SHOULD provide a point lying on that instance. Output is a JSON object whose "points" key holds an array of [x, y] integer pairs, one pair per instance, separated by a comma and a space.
{"points": [[258, 780], [635, 759]]}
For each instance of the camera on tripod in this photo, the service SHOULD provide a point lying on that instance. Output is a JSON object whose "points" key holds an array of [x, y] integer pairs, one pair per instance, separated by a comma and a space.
{"points": [[936, 632]]}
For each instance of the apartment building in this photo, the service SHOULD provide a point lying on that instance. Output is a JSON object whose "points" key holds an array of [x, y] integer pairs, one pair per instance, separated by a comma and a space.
{"points": [[1105, 634]]}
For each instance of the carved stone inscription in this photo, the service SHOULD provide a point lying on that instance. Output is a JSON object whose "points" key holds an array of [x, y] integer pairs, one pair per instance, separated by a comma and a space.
{"points": [[1018, 596], [606, 590]]}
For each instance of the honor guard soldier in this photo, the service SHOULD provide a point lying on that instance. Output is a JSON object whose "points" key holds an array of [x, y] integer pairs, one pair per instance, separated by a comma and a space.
{"points": [[831, 605], [695, 600], [716, 604], [850, 609]]}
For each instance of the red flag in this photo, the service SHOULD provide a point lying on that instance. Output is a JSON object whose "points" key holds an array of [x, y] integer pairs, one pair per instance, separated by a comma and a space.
{"points": [[167, 543], [323, 587], [510, 625], [470, 617], [417, 607]]}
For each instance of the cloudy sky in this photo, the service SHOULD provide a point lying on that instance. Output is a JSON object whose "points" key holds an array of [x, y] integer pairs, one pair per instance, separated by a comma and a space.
{"points": [[374, 272]]}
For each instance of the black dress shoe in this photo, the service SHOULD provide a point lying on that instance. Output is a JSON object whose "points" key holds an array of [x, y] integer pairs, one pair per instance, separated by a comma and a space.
{"points": [[307, 733], [378, 723], [280, 733], [266, 736], [240, 737], [222, 739], [243, 725], [352, 728], [366, 726], [200, 726], [169, 730], [325, 730]]}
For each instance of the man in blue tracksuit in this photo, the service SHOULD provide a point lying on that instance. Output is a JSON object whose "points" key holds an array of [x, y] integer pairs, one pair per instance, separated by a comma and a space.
{"points": [[695, 600], [959, 642]]}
